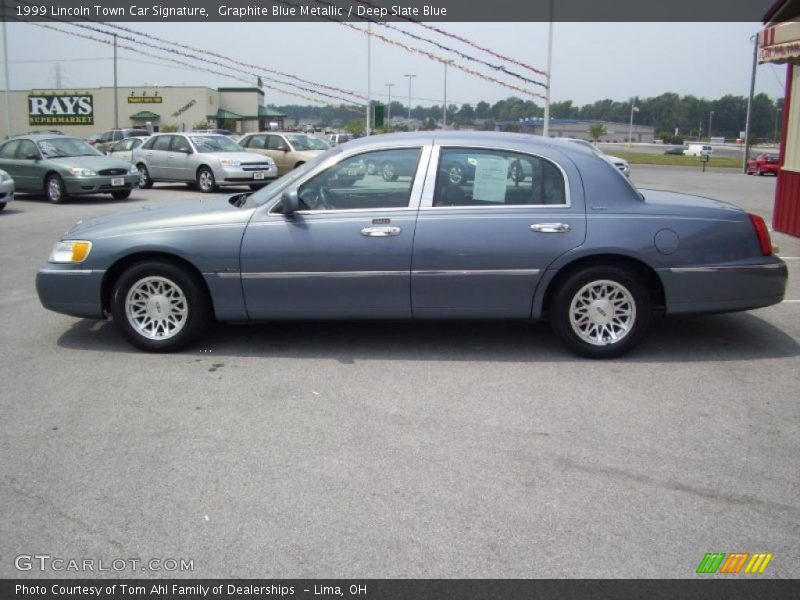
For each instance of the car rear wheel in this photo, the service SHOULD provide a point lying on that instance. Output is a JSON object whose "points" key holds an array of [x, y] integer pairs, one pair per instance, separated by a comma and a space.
{"points": [[121, 195], [600, 312], [206, 181], [3, 206], [759, 172], [159, 306], [144, 177], [54, 189]]}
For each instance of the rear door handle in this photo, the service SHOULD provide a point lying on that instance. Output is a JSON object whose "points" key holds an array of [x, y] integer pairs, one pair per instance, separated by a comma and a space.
{"points": [[381, 231], [550, 227]]}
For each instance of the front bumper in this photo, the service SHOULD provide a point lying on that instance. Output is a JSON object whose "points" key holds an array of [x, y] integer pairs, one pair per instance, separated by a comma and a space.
{"points": [[6, 192], [240, 176], [70, 290], [100, 184]]}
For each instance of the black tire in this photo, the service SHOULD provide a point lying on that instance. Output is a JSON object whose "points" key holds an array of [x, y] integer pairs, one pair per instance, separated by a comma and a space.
{"points": [[257, 186], [389, 172], [574, 285], [205, 180], [197, 303], [302, 162], [55, 190], [759, 172], [3, 205], [145, 182], [121, 195]]}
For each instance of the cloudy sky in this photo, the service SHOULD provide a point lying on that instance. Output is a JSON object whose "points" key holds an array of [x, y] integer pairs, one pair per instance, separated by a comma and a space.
{"points": [[591, 61]]}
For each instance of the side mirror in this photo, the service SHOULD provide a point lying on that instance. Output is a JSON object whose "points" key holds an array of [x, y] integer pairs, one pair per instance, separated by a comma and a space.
{"points": [[283, 148], [290, 202], [31, 156]]}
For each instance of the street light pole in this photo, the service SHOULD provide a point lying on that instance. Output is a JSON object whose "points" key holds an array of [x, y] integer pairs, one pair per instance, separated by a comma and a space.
{"points": [[710, 120], [5, 68], [444, 106], [546, 121], [368, 130], [410, 77], [116, 102], [389, 104], [634, 109], [746, 154]]}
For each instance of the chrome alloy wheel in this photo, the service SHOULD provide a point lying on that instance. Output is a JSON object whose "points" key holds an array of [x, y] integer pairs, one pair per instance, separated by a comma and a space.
{"points": [[156, 308], [602, 312], [54, 189], [205, 180], [144, 177]]}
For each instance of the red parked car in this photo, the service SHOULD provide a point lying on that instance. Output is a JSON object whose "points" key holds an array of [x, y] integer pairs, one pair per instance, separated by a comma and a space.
{"points": [[764, 163]]}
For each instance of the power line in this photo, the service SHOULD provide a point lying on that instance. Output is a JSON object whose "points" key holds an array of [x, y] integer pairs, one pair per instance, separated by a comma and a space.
{"points": [[463, 55]]}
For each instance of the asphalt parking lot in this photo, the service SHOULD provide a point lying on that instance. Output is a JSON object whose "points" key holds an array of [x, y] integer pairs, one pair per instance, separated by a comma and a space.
{"points": [[397, 450]]}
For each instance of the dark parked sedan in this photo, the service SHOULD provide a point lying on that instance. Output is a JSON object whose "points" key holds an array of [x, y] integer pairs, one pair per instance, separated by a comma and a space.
{"points": [[573, 242]]}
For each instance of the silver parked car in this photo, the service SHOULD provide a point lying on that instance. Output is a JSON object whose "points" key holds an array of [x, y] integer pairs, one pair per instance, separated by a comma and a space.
{"points": [[123, 150], [207, 160], [6, 189], [574, 242]]}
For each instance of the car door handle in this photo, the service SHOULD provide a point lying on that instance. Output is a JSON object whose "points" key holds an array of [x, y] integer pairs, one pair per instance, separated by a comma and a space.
{"points": [[381, 231], [550, 227]]}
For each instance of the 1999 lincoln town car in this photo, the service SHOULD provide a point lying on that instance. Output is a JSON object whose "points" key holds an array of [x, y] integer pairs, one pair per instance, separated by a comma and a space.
{"points": [[567, 237]]}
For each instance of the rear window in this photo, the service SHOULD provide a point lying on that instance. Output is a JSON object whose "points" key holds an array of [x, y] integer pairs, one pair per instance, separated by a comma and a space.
{"points": [[480, 177]]}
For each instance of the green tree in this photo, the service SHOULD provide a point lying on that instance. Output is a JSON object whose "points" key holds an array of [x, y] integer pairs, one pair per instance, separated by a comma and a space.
{"points": [[597, 130], [356, 127]]}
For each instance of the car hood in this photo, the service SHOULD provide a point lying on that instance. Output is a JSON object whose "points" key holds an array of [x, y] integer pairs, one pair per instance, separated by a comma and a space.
{"points": [[679, 204], [95, 163], [189, 213]]}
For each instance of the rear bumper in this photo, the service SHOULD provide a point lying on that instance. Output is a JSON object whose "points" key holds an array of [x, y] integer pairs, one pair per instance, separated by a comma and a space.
{"points": [[724, 288], [75, 292]]}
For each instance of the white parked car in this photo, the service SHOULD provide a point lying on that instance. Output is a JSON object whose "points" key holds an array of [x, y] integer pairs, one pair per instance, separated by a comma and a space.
{"points": [[697, 149], [123, 150]]}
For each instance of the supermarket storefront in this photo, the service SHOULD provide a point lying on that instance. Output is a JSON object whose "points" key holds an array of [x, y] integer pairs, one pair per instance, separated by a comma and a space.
{"points": [[81, 112]]}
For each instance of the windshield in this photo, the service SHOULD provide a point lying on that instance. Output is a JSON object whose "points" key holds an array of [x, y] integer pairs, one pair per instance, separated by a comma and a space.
{"points": [[279, 185], [215, 143], [307, 142], [64, 146]]}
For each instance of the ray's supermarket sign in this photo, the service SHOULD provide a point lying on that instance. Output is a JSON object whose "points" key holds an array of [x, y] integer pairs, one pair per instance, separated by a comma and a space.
{"points": [[60, 109]]}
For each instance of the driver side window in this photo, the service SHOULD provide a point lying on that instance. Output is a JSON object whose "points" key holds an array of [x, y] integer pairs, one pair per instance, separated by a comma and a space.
{"points": [[350, 185]]}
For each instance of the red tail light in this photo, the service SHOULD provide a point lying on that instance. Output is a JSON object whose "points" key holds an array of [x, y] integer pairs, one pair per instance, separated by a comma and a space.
{"points": [[762, 233]]}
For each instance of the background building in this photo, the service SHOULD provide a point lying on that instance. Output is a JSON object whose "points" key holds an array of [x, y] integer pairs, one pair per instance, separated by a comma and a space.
{"points": [[81, 112], [579, 129]]}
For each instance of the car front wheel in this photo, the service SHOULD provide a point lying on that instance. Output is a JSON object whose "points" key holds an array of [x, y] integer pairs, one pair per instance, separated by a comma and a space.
{"points": [[160, 306], [121, 195], [145, 182], [600, 312]]}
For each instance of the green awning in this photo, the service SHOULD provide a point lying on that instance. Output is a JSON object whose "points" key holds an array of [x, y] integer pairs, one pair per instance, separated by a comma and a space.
{"points": [[145, 114], [265, 111], [228, 115]]}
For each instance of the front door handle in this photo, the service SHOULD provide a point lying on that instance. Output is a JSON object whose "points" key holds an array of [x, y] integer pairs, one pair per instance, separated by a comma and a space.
{"points": [[381, 231], [550, 227]]}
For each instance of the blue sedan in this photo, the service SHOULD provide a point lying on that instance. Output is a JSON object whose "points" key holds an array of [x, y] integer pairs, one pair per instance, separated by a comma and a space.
{"points": [[572, 241]]}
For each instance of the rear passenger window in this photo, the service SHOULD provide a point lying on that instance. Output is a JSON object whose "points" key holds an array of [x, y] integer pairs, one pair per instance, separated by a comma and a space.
{"points": [[161, 142], [478, 177]]}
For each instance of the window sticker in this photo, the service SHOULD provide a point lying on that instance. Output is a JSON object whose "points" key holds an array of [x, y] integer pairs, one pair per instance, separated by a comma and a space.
{"points": [[490, 179]]}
